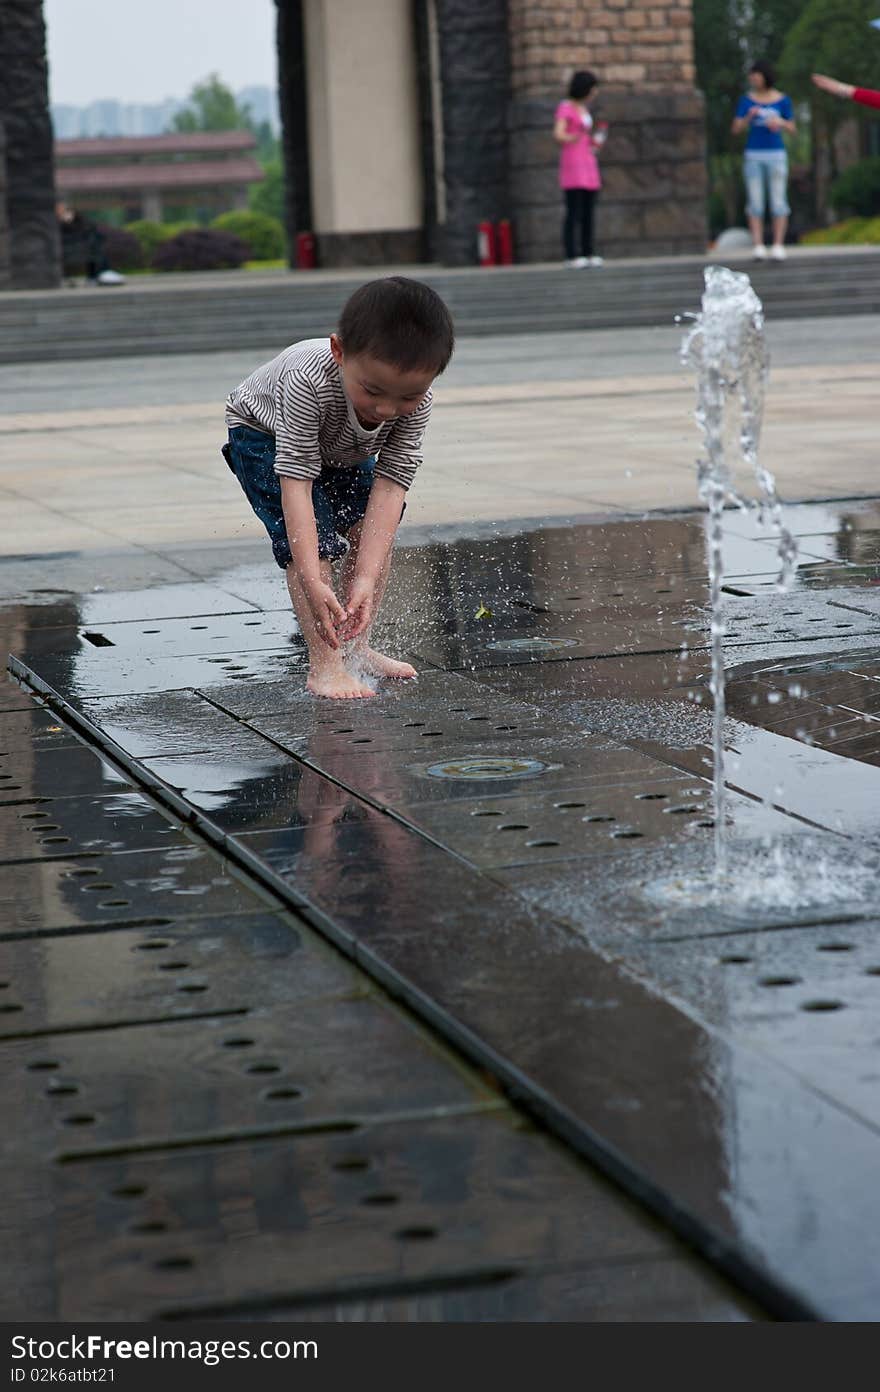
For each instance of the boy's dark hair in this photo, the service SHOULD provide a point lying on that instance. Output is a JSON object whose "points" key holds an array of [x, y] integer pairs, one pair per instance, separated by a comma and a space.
{"points": [[581, 85], [399, 321], [767, 71]]}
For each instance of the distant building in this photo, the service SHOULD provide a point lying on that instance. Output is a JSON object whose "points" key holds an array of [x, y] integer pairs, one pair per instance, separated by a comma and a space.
{"points": [[115, 117], [144, 175]]}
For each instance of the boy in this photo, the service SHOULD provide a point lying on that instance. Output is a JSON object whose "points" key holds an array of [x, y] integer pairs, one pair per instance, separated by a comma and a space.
{"points": [[325, 440]]}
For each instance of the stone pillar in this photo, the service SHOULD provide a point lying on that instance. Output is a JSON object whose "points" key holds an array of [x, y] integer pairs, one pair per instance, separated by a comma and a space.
{"points": [[475, 80], [5, 269], [364, 131], [34, 244], [292, 86], [151, 205], [653, 200]]}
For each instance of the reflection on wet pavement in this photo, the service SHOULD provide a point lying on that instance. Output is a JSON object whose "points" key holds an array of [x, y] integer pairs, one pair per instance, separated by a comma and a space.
{"points": [[519, 844]]}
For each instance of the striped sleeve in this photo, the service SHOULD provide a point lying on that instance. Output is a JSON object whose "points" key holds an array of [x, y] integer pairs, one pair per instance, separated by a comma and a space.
{"points": [[297, 419], [401, 454]]}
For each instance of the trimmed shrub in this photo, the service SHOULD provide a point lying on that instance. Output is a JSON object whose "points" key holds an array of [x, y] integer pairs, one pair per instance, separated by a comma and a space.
{"points": [[202, 249], [150, 235], [123, 252], [857, 191], [263, 234], [852, 232]]}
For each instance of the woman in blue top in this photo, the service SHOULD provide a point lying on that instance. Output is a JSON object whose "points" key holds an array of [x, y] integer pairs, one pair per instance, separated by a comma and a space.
{"points": [[765, 114]]}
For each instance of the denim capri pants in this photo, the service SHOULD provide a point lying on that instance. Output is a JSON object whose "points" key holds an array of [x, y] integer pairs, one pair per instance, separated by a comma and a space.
{"points": [[766, 177], [339, 496]]}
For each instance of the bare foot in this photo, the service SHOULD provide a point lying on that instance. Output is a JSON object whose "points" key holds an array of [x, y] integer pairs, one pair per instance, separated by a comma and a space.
{"points": [[378, 665], [334, 681]]}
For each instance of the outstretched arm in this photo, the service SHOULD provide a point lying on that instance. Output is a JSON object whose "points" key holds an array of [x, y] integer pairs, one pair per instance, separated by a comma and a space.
{"points": [[832, 86]]}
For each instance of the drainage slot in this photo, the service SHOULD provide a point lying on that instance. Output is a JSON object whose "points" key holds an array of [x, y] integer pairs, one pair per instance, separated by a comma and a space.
{"points": [[99, 640]]}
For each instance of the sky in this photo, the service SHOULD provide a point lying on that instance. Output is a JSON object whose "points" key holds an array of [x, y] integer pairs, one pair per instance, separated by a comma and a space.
{"points": [[146, 50]]}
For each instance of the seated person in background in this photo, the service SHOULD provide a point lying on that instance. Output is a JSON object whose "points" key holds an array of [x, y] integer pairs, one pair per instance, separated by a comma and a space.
{"points": [[82, 248]]}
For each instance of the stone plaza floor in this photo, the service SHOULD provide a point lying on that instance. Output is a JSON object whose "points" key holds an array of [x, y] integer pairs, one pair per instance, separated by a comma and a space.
{"points": [[406, 1009]]}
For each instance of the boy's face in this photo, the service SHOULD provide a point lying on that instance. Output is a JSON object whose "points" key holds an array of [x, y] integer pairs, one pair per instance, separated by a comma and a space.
{"points": [[377, 390]]}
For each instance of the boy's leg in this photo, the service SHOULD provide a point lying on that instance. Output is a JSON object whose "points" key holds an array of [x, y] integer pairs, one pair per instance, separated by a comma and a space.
{"points": [[250, 455], [361, 656], [328, 675]]}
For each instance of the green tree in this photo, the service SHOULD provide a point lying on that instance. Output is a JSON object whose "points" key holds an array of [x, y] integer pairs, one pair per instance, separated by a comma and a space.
{"points": [[728, 35], [268, 144], [268, 196], [833, 37], [211, 106]]}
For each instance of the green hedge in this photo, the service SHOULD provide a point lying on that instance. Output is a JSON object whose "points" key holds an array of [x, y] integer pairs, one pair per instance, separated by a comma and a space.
{"points": [[152, 234], [853, 232], [263, 234], [857, 191]]}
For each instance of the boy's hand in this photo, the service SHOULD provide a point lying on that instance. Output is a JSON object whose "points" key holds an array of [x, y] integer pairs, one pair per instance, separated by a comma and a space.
{"points": [[360, 598], [327, 612]]}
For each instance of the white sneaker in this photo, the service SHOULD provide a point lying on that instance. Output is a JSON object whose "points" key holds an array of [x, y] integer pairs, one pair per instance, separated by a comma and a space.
{"points": [[111, 278], [777, 253], [597, 261], [580, 262], [759, 252]]}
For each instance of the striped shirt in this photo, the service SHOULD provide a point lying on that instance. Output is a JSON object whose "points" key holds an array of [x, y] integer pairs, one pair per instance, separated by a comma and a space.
{"points": [[299, 398]]}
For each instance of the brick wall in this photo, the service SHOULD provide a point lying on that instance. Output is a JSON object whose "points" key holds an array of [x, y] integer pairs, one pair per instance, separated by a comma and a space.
{"points": [[653, 166]]}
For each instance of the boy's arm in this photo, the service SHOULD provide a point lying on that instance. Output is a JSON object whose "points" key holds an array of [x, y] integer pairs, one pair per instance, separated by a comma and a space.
{"points": [[302, 534], [399, 458], [381, 520]]}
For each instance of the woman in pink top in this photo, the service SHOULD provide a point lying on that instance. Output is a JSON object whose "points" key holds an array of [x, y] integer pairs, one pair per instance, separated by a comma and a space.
{"points": [[579, 176]]}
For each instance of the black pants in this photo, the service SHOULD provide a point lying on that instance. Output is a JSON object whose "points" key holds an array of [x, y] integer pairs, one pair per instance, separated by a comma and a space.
{"points": [[578, 225]]}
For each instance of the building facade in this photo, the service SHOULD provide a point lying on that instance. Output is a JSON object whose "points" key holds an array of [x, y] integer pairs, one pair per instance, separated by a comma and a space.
{"points": [[145, 175], [408, 122]]}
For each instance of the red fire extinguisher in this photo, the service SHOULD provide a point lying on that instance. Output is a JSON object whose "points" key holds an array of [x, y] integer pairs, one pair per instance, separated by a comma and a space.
{"points": [[486, 254], [306, 259], [504, 242]]}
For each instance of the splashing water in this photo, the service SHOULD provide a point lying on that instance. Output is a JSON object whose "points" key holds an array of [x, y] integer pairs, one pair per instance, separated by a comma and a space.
{"points": [[726, 344]]}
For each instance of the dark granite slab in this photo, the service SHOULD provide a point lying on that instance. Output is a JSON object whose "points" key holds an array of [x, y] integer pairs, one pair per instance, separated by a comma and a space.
{"points": [[42, 898], [54, 986], [38, 829], [14, 697], [50, 773], [655, 1290], [246, 793], [216, 1230], [432, 690], [597, 822], [216, 632], [167, 722], [198, 1082], [815, 784], [369, 731], [159, 602], [78, 675], [32, 727], [807, 997]]}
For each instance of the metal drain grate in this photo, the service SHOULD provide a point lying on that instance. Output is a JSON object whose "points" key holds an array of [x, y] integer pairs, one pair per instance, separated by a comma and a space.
{"points": [[531, 645], [483, 769]]}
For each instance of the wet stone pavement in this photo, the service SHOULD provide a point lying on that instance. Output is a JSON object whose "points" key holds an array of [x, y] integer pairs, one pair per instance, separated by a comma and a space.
{"points": [[418, 1007]]}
